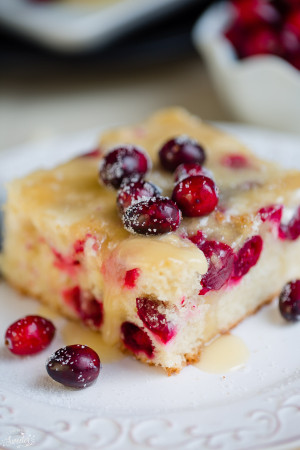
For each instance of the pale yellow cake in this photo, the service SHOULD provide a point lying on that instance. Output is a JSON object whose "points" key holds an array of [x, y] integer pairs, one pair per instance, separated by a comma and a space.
{"points": [[65, 244]]}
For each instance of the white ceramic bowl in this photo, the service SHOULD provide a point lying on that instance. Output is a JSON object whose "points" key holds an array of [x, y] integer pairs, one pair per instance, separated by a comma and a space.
{"points": [[262, 90]]}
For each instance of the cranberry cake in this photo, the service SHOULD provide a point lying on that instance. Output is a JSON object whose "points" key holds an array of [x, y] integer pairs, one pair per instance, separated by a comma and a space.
{"points": [[168, 234]]}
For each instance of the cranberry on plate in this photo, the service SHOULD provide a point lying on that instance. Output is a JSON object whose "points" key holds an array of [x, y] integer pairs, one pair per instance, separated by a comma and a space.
{"points": [[29, 335], [76, 366], [289, 301]]}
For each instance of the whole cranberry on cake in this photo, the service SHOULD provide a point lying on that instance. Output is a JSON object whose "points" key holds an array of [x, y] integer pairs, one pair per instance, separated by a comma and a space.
{"points": [[159, 259]]}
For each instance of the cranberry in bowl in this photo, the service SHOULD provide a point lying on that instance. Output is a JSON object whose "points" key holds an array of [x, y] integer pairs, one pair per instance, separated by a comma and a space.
{"points": [[257, 82]]}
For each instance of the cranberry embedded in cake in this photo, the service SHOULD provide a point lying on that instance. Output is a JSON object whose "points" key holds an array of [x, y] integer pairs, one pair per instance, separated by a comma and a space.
{"points": [[136, 340], [153, 314]]}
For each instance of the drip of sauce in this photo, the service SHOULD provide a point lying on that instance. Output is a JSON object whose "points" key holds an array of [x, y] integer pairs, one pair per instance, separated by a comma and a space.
{"points": [[74, 333], [225, 354]]}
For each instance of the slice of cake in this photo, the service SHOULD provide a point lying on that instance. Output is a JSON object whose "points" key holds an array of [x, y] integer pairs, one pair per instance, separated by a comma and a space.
{"points": [[160, 266]]}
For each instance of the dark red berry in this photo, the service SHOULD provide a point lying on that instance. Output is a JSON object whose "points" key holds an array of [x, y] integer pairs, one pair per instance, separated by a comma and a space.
{"points": [[289, 301], [134, 191], [252, 12], [290, 41], [261, 41], [29, 335], [196, 196], [131, 277], [151, 312], [136, 339], [155, 216], [123, 162], [271, 213], [236, 35], [79, 246], [247, 257], [88, 308], [291, 230], [295, 60], [235, 161], [220, 259], [198, 238], [190, 170], [292, 22], [76, 366], [180, 150]]}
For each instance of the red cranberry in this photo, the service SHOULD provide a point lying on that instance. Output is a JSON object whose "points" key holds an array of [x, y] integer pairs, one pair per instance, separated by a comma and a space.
{"points": [[247, 257], [180, 150], [150, 311], [272, 213], [289, 301], [236, 35], [198, 238], [292, 22], [196, 196], [190, 170], [295, 60], [155, 216], [29, 335], [131, 278], [220, 259], [76, 366], [291, 231], [235, 161], [123, 162], [65, 263], [135, 190], [136, 340], [251, 12], [261, 41], [290, 42], [89, 309], [79, 246]]}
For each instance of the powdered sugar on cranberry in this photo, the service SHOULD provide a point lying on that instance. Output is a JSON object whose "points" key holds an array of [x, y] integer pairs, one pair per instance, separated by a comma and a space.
{"points": [[123, 162], [153, 314], [155, 216]]}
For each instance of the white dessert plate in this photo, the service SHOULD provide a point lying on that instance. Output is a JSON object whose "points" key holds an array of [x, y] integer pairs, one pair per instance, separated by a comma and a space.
{"points": [[135, 406], [77, 26]]}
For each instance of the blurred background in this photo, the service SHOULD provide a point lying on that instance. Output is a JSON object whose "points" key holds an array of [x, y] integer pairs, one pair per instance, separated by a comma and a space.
{"points": [[50, 87], [72, 65]]}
